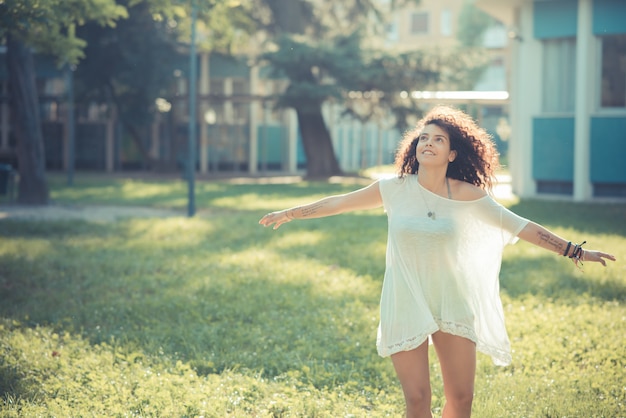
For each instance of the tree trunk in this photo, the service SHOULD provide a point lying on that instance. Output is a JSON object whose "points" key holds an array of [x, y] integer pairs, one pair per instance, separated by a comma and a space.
{"points": [[24, 106], [148, 162], [318, 147], [296, 17]]}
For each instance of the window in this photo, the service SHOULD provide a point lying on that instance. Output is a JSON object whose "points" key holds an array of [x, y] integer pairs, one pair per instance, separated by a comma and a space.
{"points": [[241, 86], [613, 77], [559, 75], [446, 22], [216, 86], [419, 23], [495, 36], [391, 29]]}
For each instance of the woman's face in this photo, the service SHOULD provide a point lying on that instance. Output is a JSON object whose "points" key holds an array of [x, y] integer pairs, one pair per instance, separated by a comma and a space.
{"points": [[433, 147]]}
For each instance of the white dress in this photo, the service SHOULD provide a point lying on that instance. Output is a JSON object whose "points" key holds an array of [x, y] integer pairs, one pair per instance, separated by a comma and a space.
{"points": [[443, 274]]}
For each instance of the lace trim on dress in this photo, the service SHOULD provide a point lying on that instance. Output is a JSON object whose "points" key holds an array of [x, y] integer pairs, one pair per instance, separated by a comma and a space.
{"points": [[499, 357], [407, 344], [457, 329]]}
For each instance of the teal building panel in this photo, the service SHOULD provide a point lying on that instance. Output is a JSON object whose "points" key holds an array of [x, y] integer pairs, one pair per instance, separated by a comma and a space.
{"points": [[609, 17], [300, 154], [608, 148], [553, 149], [270, 145], [555, 18]]}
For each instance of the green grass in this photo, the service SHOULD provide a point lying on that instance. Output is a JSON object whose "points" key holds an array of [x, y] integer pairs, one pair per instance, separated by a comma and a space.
{"points": [[216, 316]]}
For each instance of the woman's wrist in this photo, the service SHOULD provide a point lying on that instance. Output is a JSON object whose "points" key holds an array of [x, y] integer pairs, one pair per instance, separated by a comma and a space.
{"points": [[566, 252]]}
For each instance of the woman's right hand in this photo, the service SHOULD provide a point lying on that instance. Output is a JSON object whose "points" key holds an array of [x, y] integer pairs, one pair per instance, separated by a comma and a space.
{"points": [[276, 218]]}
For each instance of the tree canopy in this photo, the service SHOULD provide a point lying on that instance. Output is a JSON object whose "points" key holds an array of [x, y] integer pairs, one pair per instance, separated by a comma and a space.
{"points": [[472, 24], [136, 62], [65, 29], [122, 50], [45, 26], [48, 25]]}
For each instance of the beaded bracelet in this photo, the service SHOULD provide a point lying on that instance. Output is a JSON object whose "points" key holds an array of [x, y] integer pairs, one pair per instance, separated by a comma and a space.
{"points": [[577, 253]]}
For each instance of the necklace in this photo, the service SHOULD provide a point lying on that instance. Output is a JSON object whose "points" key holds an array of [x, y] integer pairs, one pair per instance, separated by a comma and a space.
{"points": [[431, 213]]}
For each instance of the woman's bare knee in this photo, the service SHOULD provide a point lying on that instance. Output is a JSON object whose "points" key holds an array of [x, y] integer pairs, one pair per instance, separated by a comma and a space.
{"points": [[457, 358], [418, 403], [461, 399], [413, 373]]}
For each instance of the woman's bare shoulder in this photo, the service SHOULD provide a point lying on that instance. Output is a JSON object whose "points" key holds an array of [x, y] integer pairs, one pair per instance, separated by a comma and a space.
{"points": [[462, 190]]}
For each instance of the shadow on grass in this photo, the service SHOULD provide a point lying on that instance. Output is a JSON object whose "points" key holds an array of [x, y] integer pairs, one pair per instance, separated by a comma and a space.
{"points": [[222, 292], [224, 300], [556, 279], [172, 193]]}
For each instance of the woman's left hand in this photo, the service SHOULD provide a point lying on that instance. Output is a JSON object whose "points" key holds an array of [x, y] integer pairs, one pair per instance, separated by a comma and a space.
{"points": [[594, 256]]}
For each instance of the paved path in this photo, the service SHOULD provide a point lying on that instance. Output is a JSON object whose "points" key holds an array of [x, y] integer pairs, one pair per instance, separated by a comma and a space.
{"points": [[87, 213]]}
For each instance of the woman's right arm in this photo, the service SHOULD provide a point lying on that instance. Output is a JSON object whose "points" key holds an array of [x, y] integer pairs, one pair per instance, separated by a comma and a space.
{"points": [[366, 198]]}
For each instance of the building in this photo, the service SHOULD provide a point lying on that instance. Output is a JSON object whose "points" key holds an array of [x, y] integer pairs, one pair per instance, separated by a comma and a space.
{"points": [[429, 23], [238, 130], [438, 25], [568, 96]]}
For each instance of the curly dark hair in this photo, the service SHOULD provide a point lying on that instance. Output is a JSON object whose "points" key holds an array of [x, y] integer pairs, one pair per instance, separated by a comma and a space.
{"points": [[477, 156]]}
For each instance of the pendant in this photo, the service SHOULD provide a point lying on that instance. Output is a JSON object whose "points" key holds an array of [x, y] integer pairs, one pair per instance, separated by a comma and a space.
{"points": [[431, 215]]}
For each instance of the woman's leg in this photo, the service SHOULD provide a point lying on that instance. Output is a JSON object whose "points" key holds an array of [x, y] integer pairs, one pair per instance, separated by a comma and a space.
{"points": [[412, 370], [457, 356]]}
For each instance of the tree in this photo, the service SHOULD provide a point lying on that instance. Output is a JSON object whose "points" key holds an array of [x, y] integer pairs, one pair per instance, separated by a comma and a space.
{"points": [[134, 63], [41, 25], [340, 69], [472, 24], [26, 124], [302, 31], [320, 48], [129, 66], [48, 26]]}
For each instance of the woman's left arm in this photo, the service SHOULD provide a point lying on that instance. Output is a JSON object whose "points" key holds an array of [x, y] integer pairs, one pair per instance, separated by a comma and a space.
{"points": [[542, 237]]}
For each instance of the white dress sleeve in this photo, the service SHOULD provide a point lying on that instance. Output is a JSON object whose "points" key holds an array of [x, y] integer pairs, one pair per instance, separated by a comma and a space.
{"points": [[498, 216]]}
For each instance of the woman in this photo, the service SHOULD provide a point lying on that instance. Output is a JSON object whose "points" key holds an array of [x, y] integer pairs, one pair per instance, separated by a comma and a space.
{"points": [[445, 240]]}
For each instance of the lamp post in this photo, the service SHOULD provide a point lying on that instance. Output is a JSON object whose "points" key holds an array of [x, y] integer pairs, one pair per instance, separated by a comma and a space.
{"points": [[71, 136], [71, 132], [191, 163]]}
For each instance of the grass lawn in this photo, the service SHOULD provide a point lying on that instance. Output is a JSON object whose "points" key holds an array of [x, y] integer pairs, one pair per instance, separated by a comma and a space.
{"points": [[216, 316]]}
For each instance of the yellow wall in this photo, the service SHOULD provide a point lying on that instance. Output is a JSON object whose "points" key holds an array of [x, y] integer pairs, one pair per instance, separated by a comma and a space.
{"points": [[439, 34]]}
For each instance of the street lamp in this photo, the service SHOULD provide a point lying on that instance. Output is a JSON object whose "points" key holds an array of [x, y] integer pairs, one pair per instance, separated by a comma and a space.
{"points": [[71, 133], [71, 127], [191, 163]]}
